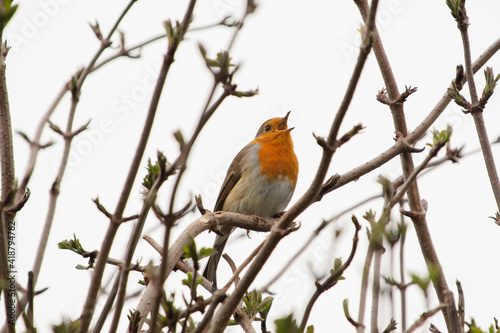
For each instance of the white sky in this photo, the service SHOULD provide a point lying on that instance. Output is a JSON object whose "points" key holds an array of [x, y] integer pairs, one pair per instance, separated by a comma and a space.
{"points": [[301, 58]]}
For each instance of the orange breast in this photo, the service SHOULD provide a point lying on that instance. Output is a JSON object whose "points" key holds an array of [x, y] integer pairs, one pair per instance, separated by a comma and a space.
{"points": [[277, 158]]}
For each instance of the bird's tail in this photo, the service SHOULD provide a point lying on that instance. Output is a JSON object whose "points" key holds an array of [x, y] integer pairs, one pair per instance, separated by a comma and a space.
{"points": [[210, 271]]}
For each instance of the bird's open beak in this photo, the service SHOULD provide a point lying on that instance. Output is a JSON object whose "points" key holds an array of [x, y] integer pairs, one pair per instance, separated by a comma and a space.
{"points": [[283, 123]]}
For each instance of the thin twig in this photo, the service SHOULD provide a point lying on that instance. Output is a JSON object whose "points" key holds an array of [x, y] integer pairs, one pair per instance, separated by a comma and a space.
{"points": [[376, 289], [423, 317], [108, 305], [402, 242], [364, 288], [412, 178], [461, 306]]}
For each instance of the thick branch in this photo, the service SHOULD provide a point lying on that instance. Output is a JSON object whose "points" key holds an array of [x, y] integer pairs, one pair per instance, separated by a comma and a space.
{"points": [[8, 178], [477, 112], [209, 221]]}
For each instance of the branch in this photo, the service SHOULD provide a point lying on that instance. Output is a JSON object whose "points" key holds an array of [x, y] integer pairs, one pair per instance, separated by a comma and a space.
{"points": [[460, 15], [360, 328], [107, 306], [180, 265], [8, 176], [209, 221]]}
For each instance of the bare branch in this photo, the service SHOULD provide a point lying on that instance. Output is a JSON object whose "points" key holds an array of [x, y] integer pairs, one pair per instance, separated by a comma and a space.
{"points": [[460, 15], [424, 316]]}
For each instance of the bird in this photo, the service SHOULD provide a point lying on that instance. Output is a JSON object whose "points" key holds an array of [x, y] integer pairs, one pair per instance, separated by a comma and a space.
{"points": [[260, 181]]}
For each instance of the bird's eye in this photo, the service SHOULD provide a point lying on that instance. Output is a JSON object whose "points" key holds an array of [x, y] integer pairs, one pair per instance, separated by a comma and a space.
{"points": [[267, 128]]}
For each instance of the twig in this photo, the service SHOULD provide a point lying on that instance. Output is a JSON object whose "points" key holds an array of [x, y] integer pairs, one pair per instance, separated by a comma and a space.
{"points": [[402, 242], [364, 288], [236, 272], [239, 316], [461, 306], [227, 309], [424, 316], [31, 300], [129, 253], [376, 289], [348, 316], [181, 265], [412, 178], [333, 278], [235, 278], [125, 52], [108, 305]]}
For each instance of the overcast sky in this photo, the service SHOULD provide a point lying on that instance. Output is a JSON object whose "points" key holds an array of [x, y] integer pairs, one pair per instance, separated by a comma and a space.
{"points": [[300, 57]]}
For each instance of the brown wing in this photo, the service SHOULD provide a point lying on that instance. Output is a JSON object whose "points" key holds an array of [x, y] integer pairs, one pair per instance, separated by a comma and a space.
{"points": [[232, 177]]}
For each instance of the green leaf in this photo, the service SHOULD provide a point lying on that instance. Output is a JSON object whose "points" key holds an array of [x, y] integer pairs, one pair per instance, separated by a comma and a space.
{"points": [[154, 170], [67, 326], [421, 282], [439, 138], [171, 315], [266, 307], [189, 281], [254, 304], [7, 12], [205, 252], [337, 263], [81, 267], [248, 93], [286, 325], [134, 317], [72, 245]]}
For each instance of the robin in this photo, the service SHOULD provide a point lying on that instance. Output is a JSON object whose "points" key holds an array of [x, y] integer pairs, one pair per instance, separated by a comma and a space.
{"points": [[260, 181]]}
